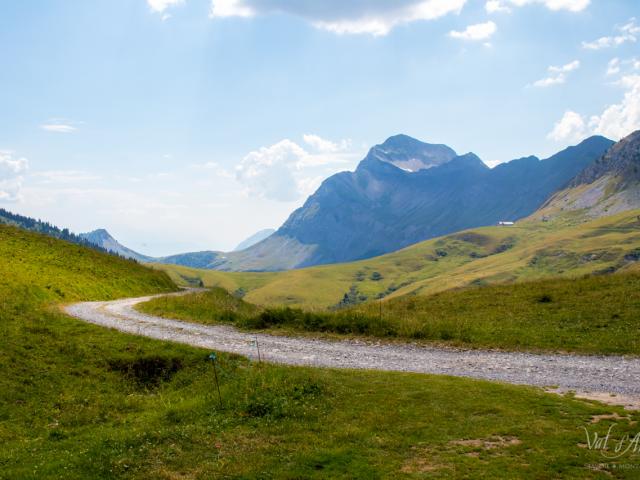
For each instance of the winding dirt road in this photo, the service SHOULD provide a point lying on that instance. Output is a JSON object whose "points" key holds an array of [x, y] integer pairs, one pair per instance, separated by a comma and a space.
{"points": [[598, 376]]}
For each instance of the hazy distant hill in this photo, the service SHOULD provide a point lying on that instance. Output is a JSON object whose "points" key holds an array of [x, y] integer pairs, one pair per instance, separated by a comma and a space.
{"points": [[255, 238], [103, 239]]}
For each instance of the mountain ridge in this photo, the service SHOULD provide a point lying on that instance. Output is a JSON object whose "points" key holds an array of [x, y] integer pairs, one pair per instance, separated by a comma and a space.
{"points": [[381, 207]]}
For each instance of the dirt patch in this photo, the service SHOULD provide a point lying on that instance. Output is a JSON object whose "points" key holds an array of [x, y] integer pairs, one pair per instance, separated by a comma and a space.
{"points": [[629, 402], [608, 416], [491, 443], [420, 462]]}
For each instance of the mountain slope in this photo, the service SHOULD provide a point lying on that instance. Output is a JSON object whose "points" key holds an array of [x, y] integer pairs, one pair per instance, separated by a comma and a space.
{"points": [[529, 250], [255, 238], [608, 186], [103, 239], [384, 205]]}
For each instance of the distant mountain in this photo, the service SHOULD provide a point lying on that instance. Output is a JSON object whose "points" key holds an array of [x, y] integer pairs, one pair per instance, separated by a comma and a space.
{"points": [[608, 186], [103, 239], [255, 238], [206, 259], [406, 191]]}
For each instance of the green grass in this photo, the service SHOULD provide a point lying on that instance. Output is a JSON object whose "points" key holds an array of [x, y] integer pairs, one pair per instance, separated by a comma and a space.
{"points": [[566, 247], [593, 314], [81, 402]]}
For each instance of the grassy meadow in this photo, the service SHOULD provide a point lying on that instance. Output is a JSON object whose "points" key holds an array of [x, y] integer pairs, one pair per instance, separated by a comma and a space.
{"points": [[80, 402], [567, 247]]}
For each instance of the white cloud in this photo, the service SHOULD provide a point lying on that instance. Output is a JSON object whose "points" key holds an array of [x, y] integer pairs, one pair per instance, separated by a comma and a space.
{"points": [[480, 31], [628, 32], [613, 67], [571, 127], [286, 171], [325, 146], [495, 6], [160, 6], [557, 75], [58, 128], [373, 17], [569, 67], [619, 120], [11, 176], [269, 171], [616, 121]]}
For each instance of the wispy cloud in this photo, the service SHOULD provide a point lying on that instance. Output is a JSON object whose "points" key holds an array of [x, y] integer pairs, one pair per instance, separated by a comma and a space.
{"points": [[627, 33], [493, 6], [56, 128], [557, 75], [372, 17], [59, 125], [477, 32], [64, 176]]}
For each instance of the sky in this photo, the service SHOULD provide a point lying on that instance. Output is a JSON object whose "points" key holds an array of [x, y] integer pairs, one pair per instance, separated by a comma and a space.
{"points": [[186, 125]]}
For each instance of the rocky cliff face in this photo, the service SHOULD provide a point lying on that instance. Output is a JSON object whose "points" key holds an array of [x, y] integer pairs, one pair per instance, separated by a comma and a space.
{"points": [[608, 186]]}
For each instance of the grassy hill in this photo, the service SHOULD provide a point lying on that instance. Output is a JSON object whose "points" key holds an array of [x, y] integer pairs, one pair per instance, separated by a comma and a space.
{"points": [[533, 249], [80, 402]]}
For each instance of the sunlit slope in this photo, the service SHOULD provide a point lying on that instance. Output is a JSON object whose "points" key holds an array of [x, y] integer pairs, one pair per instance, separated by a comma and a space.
{"points": [[35, 268], [532, 249]]}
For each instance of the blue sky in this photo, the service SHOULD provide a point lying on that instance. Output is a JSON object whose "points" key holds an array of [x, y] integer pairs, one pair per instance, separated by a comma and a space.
{"points": [[189, 125]]}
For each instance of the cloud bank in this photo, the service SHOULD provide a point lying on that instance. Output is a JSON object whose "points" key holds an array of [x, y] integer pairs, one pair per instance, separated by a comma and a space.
{"points": [[616, 121], [286, 171], [11, 176], [375, 17], [494, 6]]}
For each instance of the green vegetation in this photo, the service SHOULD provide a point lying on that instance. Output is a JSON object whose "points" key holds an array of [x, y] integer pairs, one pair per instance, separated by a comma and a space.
{"points": [[79, 402], [594, 314], [565, 247]]}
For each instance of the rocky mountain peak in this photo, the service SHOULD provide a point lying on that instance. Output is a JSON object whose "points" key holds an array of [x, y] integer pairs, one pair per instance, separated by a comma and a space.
{"points": [[411, 155]]}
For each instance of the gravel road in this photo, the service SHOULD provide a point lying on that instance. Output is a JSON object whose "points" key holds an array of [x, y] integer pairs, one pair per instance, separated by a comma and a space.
{"points": [[603, 374]]}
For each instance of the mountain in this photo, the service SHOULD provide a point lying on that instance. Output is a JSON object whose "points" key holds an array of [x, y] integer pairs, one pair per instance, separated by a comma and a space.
{"points": [[406, 191], [255, 238], [104, 240], [530, 250], [608, 186]]}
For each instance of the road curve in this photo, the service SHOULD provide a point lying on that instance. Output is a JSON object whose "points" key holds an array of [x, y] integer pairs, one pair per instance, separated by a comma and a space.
{"points": [[604, 374]]}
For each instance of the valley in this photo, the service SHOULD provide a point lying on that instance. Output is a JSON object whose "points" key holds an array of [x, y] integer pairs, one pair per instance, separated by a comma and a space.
{"points": [[82, 401]]}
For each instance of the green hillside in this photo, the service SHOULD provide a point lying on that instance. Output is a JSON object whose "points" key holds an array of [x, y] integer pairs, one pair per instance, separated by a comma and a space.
{"points": [[568, 246], [82, 402]]}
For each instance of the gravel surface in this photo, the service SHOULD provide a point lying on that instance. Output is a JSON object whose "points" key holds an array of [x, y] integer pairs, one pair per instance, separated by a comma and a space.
{"points": [[608, 374]]}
